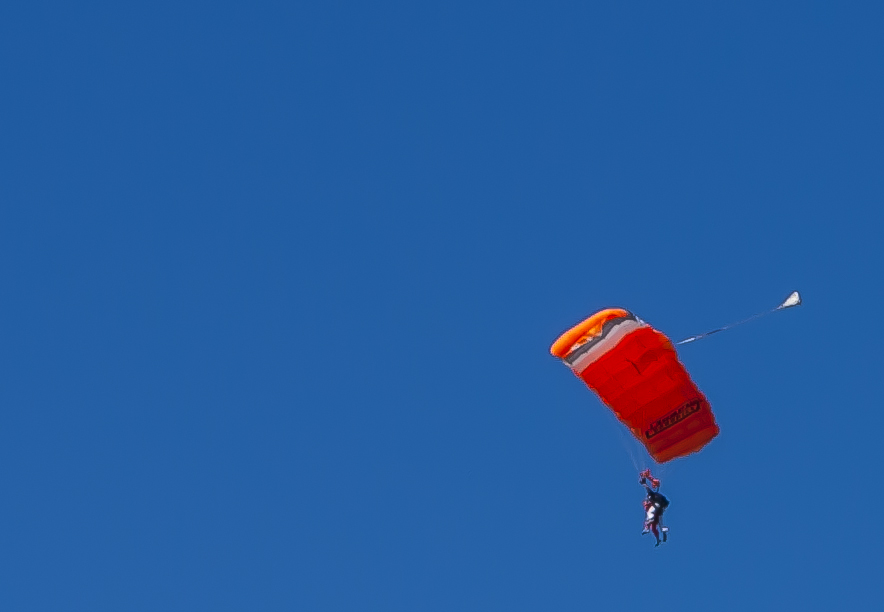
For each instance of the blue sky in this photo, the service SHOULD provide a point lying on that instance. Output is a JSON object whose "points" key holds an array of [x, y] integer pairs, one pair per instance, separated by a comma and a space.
{"points": [[280, 279]]}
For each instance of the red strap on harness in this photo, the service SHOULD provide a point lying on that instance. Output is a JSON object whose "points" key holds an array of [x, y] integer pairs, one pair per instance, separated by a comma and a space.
{"points": [[655, 483]]}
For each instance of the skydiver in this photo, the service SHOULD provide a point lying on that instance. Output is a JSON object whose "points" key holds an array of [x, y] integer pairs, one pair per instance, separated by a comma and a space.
{"points": [[654, 504]]}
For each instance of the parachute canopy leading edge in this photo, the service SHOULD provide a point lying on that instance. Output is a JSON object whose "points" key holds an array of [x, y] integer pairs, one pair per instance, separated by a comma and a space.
{"points": [[635, 371]]}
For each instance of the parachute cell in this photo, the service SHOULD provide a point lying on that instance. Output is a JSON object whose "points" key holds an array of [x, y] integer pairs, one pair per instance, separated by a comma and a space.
{"points": [[635, 371]]}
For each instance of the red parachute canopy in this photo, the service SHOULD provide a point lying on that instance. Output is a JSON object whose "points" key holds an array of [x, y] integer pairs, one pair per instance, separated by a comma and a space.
{"points": [[635, 371]]}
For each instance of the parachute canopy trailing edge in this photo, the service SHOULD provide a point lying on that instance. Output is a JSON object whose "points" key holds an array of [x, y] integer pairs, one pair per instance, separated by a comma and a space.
{"points": [[635, 371]]}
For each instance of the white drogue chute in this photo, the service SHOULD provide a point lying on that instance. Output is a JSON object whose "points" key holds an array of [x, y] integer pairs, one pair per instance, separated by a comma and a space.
{"points": [[794, 299]]}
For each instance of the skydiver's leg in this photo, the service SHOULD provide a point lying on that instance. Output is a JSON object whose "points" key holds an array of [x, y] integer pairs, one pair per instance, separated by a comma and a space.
{"points": [[656, 533], [663, 528]]}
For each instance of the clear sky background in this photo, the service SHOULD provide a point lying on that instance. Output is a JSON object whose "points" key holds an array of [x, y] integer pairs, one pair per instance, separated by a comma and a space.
{"points": [[279, 281]]}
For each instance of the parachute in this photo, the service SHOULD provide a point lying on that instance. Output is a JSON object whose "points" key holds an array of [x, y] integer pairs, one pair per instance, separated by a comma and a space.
{"points": [[635, 371], [793, 300]]}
